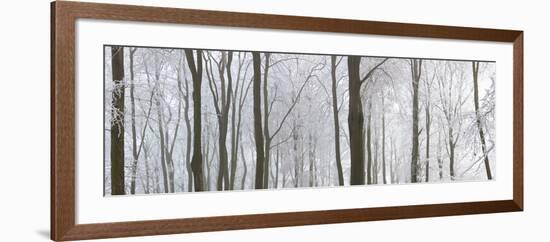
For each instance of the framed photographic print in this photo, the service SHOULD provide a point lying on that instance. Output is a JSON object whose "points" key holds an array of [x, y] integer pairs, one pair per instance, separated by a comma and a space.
{"points": [[170, 120]]}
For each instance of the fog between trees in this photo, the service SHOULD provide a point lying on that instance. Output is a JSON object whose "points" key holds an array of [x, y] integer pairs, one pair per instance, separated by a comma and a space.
{"points": [[186, 120]]}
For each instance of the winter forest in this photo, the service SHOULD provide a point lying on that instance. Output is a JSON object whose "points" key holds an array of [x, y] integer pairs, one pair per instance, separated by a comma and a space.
{"points": [[191, 120]]}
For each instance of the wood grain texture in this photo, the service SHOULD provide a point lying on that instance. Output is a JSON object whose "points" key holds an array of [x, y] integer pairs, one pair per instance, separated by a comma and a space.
{"points": [[63, 123], [174, 226], [518, 121], [63, 18]]}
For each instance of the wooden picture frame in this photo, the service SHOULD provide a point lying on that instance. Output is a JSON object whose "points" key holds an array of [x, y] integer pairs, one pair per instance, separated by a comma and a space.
{"points": [[63, 17]]}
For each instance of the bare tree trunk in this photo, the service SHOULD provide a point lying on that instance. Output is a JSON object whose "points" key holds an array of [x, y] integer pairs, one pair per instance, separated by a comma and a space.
{"points": [[451, 105], [226, 108], [267, 135], [475, 67], [355, 123], [196, 161], [283, 181], [245, 169], [428, 118], [168, 145], [356, 118], [397, 164], [162, 145], [258, 136], [136, 150], [234, 144], [165, 155], [439, 159], [170, 171], [375, 163], [369, 150], [392, 159], [157, 182], [134, 132], [188, 140], [428, 122], [170, 151], [383, 141], [234, 133], [223, 177], [147, 176], [416, 67], [239, 99], [311, 160], [206, 153], [451, 152], [336, 122], [117, 122], [297, 161], [277, 156], [184, 92], [222, 104]]}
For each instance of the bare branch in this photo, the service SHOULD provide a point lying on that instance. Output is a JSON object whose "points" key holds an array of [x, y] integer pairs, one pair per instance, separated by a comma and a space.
{"points": [[369, 74]]}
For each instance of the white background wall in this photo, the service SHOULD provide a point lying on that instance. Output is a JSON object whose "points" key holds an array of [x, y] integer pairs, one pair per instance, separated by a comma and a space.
{"points": [[24, 120]]}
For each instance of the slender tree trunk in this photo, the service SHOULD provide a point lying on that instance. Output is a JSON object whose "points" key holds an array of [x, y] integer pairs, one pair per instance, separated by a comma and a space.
{"points": [[170, 171], [117, 122], [396, 165], [369, 150], [170, 151], [188, 140], [238, 104], [157, 182], [428, 122], [147, 176], [188, 150], [258, 136], [221, 182], [283, 180], [234, 134], [162, 145], [267, 135], [311, 160], [184, 92], [451, 153], [297, 161], [439, 159], [392, 160], [196, 161], [416, 67], [276, 182], [245, 169], [237, 142], [336, 122], [451, 105], [136, 150], [166, 162], [475, 67], [206, 154], [134, 132], [222, 105], [355, 123], [376, 160], [383, 142], [226, 110], [167, 146]]}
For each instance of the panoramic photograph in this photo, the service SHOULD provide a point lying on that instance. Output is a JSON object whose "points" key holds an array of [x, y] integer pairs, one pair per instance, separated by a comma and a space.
{"points": [[180, 120]]}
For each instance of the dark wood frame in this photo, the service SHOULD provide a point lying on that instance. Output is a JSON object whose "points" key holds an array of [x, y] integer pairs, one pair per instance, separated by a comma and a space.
{"points": [[63, 18]]}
